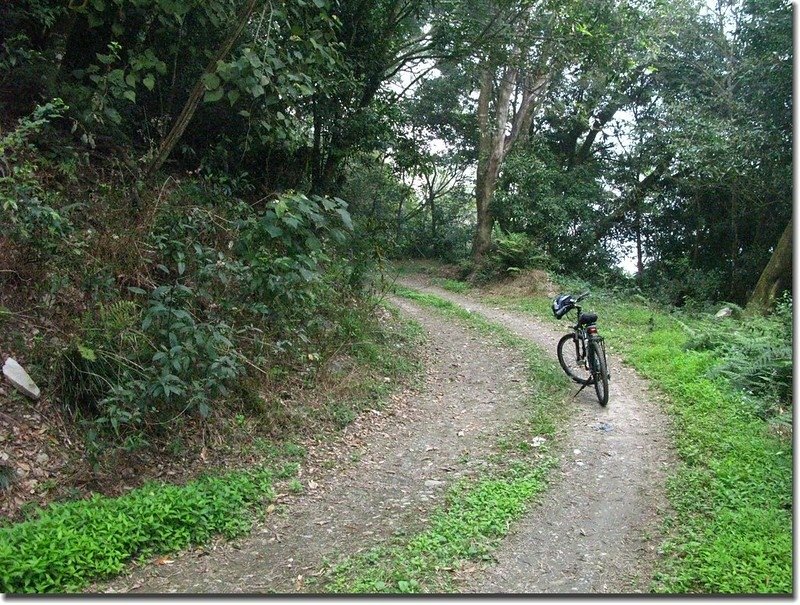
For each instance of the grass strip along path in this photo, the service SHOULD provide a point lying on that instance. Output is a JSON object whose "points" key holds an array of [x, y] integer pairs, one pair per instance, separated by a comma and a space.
{"points": [[597, 528], [478, 512], [383, 482]]}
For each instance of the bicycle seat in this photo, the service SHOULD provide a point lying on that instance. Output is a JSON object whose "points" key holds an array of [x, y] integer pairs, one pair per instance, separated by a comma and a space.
{"points": [[587, 318]]}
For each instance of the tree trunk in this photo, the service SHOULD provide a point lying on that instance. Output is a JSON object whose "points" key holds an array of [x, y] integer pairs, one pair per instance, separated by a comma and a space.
{"points": [[494, 144], [316, 155], [639, 251], [733, 283], [482, 240], [178, 128], [432, 201], [776, 276]]}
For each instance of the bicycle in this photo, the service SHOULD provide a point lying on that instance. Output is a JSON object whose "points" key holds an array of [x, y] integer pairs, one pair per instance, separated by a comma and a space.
{"points": [[584, 359]]}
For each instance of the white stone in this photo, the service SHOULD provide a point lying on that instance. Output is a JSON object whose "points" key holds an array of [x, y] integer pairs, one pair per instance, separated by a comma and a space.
{"points": [[724, 312], [17, 376]]}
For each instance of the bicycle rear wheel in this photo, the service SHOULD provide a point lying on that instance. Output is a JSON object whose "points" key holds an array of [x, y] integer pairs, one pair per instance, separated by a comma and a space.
{"points": [[572, 359], [599, 371]]}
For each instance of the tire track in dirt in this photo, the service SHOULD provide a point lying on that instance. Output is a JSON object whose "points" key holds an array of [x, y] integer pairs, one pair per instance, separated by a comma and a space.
{"points": [[397, 471], [596, 530]]}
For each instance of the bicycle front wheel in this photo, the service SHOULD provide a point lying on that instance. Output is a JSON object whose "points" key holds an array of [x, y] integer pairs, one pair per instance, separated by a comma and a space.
{"points": [[600, 372], [573, 359]]}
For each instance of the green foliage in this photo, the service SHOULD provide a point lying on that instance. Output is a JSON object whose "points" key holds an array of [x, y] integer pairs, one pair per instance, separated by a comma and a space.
{"points": [[516, 251], [283, 248], [226, 272], [476, 515], [67, 545], [754, 355], [452, 285], [550, 210], [26, 214]]}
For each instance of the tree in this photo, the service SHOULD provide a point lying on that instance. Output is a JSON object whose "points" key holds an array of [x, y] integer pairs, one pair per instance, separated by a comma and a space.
{"points": [[777, 275], [189, 108], [495, 142]]}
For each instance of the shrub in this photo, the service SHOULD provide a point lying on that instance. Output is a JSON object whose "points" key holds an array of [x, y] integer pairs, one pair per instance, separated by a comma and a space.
{"points": [[230, 287], [26, 212]]}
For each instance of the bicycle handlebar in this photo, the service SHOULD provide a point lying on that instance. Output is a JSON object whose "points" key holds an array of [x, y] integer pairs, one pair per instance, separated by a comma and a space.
{"points": [[582, 296]]}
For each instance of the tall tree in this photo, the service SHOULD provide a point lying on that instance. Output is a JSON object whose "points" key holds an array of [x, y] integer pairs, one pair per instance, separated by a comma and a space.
{"points": [[777, 275], [494, 114]]}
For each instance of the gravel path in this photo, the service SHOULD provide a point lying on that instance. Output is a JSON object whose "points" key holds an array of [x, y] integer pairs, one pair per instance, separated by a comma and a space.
{"points": [[596, 529], [387, 470], [399, 465]]}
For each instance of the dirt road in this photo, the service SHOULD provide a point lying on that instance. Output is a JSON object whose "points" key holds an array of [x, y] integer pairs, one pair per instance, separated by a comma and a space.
{"points": [[594, 531]]}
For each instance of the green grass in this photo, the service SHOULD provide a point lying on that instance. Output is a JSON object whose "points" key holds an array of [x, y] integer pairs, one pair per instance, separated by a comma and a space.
{"points": [[475, 516], [453, 285], [70, 544], [477, 513], [731, 531], [387, 357]]}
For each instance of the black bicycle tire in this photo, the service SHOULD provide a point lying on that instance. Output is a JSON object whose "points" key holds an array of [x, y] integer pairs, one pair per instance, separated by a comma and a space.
{"points": [[560, 352], [598, 363]]}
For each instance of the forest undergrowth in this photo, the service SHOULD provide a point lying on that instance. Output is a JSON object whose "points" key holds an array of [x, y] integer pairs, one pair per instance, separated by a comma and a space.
{"points": [[172, 336], [63, 546]]}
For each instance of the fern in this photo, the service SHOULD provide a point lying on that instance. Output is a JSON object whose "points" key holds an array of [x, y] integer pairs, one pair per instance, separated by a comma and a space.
{"points": [[754, 355], [119, 316]]}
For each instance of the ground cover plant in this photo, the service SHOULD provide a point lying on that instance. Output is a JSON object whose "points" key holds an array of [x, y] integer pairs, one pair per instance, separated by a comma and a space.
{"points": [[67, 545], [64, 546]]}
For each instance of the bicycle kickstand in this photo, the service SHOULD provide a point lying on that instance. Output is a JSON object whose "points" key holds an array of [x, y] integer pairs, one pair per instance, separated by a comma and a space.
{"points": [[583, 386]]}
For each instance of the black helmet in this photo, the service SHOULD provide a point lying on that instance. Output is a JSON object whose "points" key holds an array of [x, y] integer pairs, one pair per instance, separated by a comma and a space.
{"points": [[562, 304]]}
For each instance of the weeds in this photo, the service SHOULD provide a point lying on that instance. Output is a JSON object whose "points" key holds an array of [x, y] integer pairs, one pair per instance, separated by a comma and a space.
{"points": [[67, 545], [475, 516], [453, 285], [64, 546]]}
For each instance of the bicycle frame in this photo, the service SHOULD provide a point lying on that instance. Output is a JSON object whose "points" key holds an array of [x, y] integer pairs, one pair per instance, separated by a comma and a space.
{"points": [[581, 339], [585, 334]]}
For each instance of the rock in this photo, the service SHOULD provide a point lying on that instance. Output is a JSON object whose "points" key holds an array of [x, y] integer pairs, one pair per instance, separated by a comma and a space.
{"points": [[18, 377], [42, 458], [724, 312], [433, 483]]}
